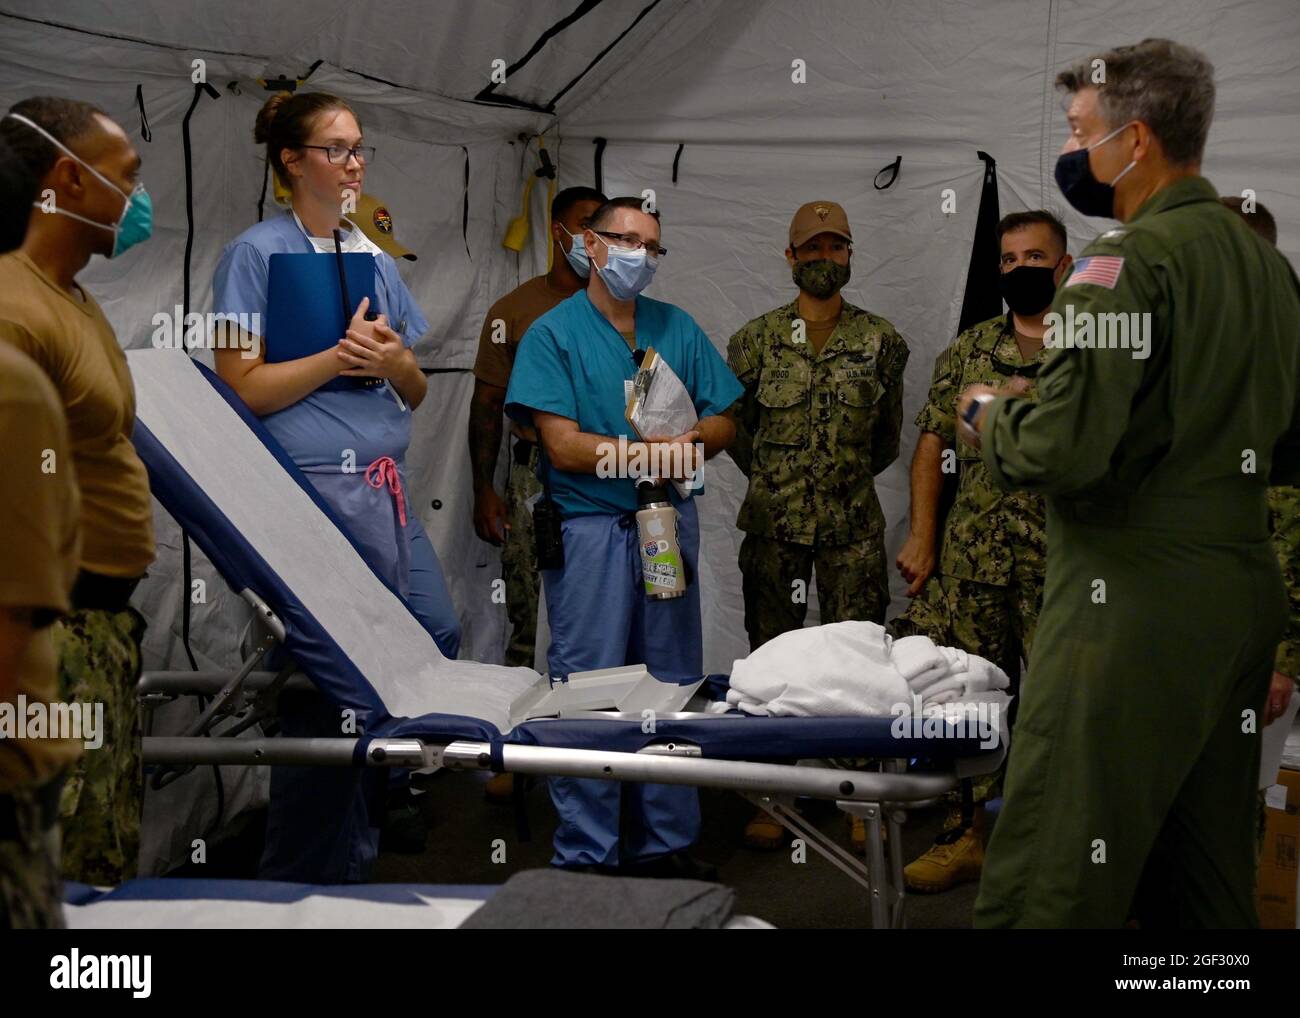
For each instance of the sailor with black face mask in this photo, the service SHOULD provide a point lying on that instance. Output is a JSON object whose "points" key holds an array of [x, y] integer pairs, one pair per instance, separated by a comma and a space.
{"points": [[981, 587], [820, 417]]}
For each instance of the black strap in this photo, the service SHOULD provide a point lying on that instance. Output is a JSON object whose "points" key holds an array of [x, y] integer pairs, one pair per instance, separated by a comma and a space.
{"points": [[546, 469], [464, 212], [266, 179], [600, 158], [894, 166], [983, 298], [487, 93], [550, 107], [677, 159], [199, 89], [186, 146], [145, 131], [1023, 370]]}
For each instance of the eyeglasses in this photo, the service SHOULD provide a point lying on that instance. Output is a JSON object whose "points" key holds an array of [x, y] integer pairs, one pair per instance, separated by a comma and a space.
{"points": [[338, 154], [651, 248]]}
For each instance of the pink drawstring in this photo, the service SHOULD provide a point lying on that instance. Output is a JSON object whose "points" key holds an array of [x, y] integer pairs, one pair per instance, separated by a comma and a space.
{"points": [[384, 470]]}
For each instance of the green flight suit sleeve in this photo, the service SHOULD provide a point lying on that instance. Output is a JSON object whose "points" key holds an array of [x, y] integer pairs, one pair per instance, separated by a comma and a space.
{"points": [[1065, 442], [888, 428], [745, 360]]}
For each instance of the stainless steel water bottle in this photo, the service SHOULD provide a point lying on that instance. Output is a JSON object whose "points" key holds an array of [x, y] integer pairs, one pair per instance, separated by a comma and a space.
{"points": [[662, 567]]}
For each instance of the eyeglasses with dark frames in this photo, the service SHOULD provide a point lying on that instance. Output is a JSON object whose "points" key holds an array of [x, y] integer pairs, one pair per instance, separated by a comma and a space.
{"points": [[338, 154], [651, 247]]}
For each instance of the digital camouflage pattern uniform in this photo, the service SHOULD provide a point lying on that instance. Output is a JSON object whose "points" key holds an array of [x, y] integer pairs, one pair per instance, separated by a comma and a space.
{"points": [[1284, 522], [985, 594], [31, 890], [519, 559], [99, 662], [813, 429]]}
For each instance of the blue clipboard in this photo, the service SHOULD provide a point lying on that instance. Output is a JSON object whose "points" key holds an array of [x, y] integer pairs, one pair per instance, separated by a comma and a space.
{"points": [[304, 308]]}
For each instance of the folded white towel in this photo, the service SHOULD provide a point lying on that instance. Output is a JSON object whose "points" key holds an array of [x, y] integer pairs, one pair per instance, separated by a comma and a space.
{"points": [[854, 668], [951, 695], [918, 660], [841, 668], [979, 676]]}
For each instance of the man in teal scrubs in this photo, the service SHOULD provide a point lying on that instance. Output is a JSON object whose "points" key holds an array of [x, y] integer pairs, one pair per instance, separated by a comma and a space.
{"points": [[568, 382]]}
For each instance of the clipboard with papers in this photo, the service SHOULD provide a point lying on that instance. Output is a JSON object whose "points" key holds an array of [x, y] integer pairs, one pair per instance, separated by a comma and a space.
{"points": [[659, 404], [304, 311]]}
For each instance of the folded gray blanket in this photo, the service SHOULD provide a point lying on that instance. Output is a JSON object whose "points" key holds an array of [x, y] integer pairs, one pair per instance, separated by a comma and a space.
{"points": [[550, 899]]}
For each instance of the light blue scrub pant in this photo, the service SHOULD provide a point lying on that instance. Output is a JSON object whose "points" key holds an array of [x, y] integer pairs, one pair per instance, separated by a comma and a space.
{"points": [[600, 618], [322, 822], [428, 593], [371, 517]]}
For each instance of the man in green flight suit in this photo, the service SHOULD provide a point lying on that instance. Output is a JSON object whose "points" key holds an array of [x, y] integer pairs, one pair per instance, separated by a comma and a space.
{"points": [[986, 593], [821, 416], [1156, 434]]}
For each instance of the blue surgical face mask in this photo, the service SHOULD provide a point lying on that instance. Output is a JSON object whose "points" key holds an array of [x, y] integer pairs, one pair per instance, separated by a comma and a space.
{"points": [[577, 254], [627, 271], [136, 221], [1081, 189]]}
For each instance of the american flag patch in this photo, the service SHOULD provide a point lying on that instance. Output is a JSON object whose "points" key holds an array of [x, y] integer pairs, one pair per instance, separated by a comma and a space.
{"points": [[1103, 270]]}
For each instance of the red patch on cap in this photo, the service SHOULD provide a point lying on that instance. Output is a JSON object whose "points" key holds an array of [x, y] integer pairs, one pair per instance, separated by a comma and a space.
{"points": [[383, 221]]}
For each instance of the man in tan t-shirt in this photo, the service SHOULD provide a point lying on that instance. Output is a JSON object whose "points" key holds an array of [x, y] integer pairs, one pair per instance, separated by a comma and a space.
{"points": [[91, 203], [39, 510], [508, 522]]}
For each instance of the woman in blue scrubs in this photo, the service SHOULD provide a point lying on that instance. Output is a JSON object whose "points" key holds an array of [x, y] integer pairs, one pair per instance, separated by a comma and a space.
{"points": [[350, 442]]}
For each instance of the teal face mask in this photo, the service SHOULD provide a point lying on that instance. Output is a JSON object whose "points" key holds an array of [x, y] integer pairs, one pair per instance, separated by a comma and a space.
{"points": [[136, 221]]}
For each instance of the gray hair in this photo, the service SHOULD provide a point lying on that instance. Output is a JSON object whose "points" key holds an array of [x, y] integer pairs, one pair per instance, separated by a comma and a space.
{"points": [[1167, 86]]}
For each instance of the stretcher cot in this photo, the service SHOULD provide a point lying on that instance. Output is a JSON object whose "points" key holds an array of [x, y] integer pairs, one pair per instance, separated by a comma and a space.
{"points": [[170, 903], [223, 478]]}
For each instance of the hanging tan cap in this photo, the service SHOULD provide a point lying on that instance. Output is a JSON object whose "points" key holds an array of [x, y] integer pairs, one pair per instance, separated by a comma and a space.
{"points": [[819, 217], [376, 222]]}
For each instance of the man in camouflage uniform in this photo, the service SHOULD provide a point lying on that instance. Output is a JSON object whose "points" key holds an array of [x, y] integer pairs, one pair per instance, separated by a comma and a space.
{"points": [[986, 594], [86, 159], [508, 522], [1284, 523], [820, 417], [40, 530]]}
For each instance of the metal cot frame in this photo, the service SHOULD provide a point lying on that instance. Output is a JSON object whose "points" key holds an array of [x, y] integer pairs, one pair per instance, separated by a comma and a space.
{"points": [[246, 697]]}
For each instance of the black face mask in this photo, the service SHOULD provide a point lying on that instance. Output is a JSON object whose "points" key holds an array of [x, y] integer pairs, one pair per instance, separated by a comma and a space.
{"points": [[1085, 192], [1028, 289]]}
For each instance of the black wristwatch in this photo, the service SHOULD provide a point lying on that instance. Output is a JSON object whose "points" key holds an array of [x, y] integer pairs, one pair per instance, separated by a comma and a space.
{"points": [[973, 408]]}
